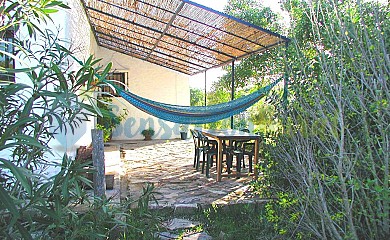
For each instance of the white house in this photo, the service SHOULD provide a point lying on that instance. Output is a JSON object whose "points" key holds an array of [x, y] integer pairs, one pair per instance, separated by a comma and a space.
{"points": [[154, 45], [144, 78]]}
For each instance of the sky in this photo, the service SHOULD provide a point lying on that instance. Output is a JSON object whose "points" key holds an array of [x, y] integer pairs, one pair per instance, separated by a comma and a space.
{"points": [[214, 4], [197, 81], [220, 4]]}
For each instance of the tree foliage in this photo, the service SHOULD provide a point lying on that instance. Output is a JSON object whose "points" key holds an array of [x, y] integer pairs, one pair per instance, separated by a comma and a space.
{"points": [[197, 97], [328, 166], [256, 70]]}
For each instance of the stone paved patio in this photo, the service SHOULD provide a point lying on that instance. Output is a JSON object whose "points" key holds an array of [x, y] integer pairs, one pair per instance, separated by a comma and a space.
{"points": [[168, 164]]}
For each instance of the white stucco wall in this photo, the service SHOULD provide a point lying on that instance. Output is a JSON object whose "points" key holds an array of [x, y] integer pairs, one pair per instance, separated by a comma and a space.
{"points": [[150, 81], [75, 28]]}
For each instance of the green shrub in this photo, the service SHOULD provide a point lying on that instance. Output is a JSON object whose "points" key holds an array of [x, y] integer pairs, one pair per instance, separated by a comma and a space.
{"points": [[54, 100], [329, 170], [108, 121]]}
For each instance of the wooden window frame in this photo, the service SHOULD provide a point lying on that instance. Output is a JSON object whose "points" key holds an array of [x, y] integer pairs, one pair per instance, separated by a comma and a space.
{"points": [[7, 62], [118, 76]]}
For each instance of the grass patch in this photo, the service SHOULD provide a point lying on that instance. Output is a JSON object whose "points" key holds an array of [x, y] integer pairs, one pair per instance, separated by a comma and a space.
{"points": [[240, 221]]}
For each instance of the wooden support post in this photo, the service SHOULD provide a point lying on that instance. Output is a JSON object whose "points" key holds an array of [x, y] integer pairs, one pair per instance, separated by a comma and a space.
{"points": [[232, 93], [205, 88], [99, 181]]}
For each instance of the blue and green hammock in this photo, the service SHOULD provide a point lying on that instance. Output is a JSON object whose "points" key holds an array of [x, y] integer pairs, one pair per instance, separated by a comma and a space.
{"points": [[194, 114]]}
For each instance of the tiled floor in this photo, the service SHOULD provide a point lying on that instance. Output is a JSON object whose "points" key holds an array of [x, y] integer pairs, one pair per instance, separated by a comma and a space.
{"points": [[168, 164]]}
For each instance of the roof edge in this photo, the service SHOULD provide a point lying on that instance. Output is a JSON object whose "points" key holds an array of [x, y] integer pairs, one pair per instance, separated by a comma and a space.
{"points": [[237, 19]]}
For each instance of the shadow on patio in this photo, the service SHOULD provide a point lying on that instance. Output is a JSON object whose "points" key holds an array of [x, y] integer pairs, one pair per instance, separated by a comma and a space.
{"points": [[168, 164]]}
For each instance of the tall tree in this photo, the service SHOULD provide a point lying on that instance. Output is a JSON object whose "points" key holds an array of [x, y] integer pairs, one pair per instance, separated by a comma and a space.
{"points": [[197, 97], [256, 70]]}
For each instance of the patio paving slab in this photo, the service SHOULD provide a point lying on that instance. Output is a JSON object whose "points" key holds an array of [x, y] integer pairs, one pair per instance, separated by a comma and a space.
{"points": [[168, 165]]}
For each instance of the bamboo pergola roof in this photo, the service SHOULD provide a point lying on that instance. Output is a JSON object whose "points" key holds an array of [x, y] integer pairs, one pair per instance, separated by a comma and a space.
{"points": [[177, 34]]}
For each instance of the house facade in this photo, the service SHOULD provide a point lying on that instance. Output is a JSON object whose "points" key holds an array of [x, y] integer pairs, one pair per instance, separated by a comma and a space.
{"points": [[149, 81], [141, 77]]}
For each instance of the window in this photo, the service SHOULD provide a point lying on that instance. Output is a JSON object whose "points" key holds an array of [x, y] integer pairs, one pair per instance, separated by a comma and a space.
{"points": [[120, 78], [5, 60]]}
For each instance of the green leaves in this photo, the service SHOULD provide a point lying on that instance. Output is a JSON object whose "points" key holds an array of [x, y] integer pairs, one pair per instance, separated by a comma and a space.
{"points": [[24, 13], [6, 202], [21, 174], [331, 154], [53, 100]]}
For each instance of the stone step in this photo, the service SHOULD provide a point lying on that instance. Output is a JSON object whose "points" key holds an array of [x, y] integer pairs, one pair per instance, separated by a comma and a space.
{"points": [[176, 224], [191, 236]]}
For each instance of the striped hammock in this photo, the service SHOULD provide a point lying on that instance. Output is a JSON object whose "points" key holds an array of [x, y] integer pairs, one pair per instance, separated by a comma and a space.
{"points": [[195, 114]]}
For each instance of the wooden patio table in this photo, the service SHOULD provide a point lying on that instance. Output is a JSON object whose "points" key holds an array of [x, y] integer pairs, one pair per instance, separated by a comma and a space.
{"points": [[230, 135]]}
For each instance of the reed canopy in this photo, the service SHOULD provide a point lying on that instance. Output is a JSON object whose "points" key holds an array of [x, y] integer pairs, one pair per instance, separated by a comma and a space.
{"points": [[176, 34]]}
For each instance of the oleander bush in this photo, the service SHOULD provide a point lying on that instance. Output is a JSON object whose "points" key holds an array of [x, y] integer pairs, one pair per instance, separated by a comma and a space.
{"points": [[52, 99]]}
